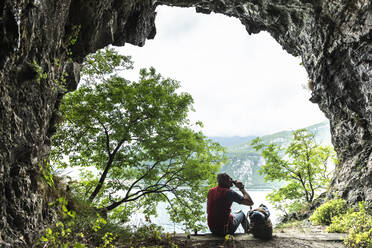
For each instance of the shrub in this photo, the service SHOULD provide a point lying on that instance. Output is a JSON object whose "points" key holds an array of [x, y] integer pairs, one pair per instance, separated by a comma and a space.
{"points": [[77, 230], [360, 235], [324, 213], [359, 225], [150, 236]]}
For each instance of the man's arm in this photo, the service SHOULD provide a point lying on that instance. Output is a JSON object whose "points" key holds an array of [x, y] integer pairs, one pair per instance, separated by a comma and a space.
{"points": [[247, 198]]}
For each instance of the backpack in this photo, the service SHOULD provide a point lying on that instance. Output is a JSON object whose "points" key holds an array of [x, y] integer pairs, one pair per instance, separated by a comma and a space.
{"points": [[260, 223]]}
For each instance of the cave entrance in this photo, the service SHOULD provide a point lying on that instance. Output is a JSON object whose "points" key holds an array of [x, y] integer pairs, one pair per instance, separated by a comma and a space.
{"points": [[241, 84]]}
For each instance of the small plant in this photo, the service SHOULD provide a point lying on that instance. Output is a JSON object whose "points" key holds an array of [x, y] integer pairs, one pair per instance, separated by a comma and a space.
{"points": [[358, 224], [68, 232], [292, 225], [73, 38], [229, 241], [40, 74], [150, 236], [60, 235], [107, 240], [342, 223], [62, 82], [46, 171], [323, 215]]}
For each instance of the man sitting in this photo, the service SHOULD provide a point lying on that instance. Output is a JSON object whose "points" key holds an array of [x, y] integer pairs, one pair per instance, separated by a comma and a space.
{"points": [[220, 199]]}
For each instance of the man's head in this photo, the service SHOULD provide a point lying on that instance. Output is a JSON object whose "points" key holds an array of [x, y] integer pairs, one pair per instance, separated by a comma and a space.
{"points": [[224, 180]]}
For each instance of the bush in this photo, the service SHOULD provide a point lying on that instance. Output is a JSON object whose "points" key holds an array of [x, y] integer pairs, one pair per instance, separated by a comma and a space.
{"points": [[85, 229], [360, 236], [324, 213], [359, 225], [150, 236]]}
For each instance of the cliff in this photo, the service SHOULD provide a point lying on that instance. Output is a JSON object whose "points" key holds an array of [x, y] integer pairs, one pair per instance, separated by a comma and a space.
{"points": [[43, 43], [245, 162]]}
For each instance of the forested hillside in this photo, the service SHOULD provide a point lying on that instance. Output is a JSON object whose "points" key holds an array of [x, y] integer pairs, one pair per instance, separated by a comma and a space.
{"points": [[244, 161]]}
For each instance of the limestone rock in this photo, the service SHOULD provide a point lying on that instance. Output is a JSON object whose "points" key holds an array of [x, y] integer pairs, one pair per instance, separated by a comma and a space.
{"points": [[43, 43]]}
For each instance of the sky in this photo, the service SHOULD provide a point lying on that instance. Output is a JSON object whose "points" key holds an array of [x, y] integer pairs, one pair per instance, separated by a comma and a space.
{"points": [[241, 84]]}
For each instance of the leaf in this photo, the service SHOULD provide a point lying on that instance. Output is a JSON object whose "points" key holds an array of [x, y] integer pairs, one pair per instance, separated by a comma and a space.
{"points": [[135, 142], [302, 165]]}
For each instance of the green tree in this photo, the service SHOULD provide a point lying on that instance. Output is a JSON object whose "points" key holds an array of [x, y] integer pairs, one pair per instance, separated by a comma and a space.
{"points": [[139, 140], [302, 165]]}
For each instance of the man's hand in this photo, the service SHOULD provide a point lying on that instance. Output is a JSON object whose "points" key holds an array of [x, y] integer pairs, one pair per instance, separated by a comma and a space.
{"points": [[239, 185], [247, 198]]}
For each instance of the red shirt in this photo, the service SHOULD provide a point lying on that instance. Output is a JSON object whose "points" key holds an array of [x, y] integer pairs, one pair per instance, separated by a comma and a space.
{"points": [[218, 209]]}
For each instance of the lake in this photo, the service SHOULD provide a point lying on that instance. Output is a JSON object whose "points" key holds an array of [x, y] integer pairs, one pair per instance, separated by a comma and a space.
{"points": [[258, 197]]}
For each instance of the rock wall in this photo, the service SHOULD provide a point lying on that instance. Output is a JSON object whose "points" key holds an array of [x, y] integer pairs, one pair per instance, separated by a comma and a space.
{"points": [[43, 43]]}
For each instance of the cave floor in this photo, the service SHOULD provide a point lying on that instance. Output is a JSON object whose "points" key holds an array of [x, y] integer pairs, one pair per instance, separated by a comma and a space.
{"points": [[313, 237]]}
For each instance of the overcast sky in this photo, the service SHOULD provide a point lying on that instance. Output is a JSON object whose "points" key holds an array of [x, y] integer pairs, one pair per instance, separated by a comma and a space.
{"points": [[241, 84]]}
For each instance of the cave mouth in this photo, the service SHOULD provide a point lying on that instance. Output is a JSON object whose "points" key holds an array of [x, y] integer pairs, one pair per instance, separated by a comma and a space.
{"points": [[332, 37], [241, 84]]}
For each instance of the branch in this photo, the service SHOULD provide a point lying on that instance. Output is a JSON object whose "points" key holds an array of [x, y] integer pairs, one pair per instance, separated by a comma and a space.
{"points": [[142, 192], [277, 161], [182, 201], [304, 187], [169, 201], [115, 204], [107, 137], [105, 172], [309, 172], [139, 179]]}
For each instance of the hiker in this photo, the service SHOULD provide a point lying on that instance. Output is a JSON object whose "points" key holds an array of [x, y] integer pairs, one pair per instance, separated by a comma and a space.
{"points": [[260, 223], [220, 219]]}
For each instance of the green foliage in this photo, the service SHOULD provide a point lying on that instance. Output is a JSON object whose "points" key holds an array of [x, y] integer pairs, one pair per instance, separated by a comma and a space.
{"points": [[62, 82], [360, 234], [150, 236], [76, 230], [72, 38], [40, 74], [104, 63], [357, 222], [74, 34], [290, 225], [108, 240], [60, 235], [302, 165], [138, 139], [324, 213], [187, 209], [46, 172], [239, 151]]}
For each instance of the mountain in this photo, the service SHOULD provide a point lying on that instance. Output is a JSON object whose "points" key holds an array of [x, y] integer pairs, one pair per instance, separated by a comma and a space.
{"points": [[232, 141], [244, 161]]}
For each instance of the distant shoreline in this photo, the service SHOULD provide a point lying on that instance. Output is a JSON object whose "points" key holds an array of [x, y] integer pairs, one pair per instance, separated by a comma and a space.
{"points": [[258, 189]]}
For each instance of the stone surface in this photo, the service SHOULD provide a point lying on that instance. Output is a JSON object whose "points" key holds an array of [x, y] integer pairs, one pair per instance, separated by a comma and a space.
{"points": [[37, 61], [282, 240], [39, 54]]}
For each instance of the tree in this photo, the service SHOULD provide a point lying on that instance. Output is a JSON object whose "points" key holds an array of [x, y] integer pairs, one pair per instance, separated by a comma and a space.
{"points": [[139, 140], [302, 166]]}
